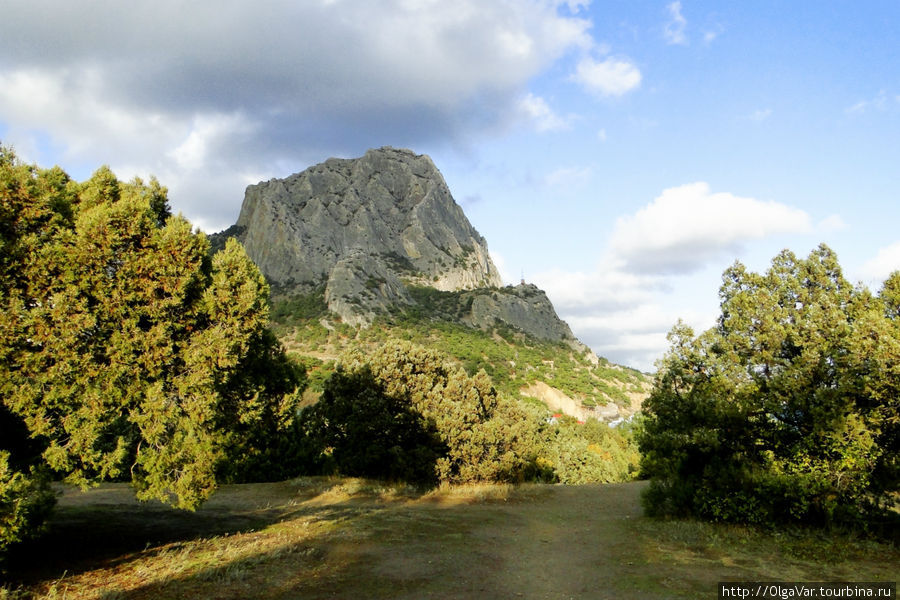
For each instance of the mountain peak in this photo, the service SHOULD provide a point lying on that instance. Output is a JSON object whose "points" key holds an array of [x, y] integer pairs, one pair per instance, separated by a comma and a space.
{"points": [[365, 228]]}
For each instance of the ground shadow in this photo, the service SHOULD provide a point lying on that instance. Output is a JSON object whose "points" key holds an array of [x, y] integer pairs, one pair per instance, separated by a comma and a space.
{"points": [[107, 527]]}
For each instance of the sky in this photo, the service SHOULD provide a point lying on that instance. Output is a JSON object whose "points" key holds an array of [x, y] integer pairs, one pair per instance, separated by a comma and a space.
{"points": [[619, 154]]}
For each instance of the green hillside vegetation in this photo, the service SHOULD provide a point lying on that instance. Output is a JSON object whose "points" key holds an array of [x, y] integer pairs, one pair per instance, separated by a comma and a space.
{"points": [[511, 358], [562, 449], [404, 412]]}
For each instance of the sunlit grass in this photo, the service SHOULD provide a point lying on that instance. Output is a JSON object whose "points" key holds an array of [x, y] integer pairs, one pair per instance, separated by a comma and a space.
{"points": [[324, 537]]}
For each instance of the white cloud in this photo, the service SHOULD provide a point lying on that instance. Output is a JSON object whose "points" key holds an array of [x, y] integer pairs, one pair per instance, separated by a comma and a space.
{"points": [[674, 30], [636, 336], [502, 266], [189, 91], [879, 103], [621, 315], [887, 261], [601, 307], [608, 288], [857, 108], [661, 264], [65, 103], [539, 112], [831, 224], [601, 135], [688, 225], [576, 6], [609, 77], [207, 131]]}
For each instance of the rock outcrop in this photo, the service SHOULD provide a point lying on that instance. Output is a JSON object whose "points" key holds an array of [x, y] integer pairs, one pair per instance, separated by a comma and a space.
{"points": [[524, 307], [391, 205], [368, 230]]}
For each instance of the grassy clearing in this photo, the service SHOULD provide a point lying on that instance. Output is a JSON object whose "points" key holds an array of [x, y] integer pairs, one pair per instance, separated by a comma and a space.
{"points": [[351, 538]]}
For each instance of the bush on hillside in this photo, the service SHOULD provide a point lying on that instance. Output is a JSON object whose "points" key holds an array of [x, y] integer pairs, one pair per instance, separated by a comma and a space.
{"points": [[590, 452], [359, 430], [405, 397]]}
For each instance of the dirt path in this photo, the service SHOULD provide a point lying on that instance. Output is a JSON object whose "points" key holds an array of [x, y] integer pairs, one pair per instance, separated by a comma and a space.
{"points": [[553, 543]]}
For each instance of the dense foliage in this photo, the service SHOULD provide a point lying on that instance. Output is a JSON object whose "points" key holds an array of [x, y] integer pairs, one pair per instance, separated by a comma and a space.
{"points": [[357, 428], [404, 412], [590, 452], [788, 409], [126, 351], [407, 398]]}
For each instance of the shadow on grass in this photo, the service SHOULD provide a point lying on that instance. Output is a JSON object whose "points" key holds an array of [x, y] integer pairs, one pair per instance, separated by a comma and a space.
{"points": [[320, 538], [368, 549], [106, 528]]}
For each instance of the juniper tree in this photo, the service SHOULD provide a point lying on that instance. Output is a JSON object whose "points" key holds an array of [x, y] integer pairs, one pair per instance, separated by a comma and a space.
{"points": [[409, 397], [126, 351], [787, 409]]}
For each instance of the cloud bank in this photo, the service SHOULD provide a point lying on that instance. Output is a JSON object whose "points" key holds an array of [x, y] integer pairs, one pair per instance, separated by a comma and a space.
{"points": [[688, 225], [880, 267], [165, 88]]}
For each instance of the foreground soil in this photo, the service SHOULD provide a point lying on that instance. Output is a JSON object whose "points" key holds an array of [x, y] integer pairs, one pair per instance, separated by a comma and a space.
{"points": [[345, 538]]}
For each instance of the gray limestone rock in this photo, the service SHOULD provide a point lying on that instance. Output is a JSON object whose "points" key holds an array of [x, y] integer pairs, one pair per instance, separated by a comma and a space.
{"points": [[392, 206], [524, 307], [368, 229]]}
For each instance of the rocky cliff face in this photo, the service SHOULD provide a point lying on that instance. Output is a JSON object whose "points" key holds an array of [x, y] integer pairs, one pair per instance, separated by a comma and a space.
{"points": [[525, 307], [391, 206], [368, 229]]}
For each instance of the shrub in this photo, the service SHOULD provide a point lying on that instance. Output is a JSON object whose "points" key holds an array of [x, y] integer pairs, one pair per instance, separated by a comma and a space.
{"points": [[25, 502], [357, 429], [406, 405]]}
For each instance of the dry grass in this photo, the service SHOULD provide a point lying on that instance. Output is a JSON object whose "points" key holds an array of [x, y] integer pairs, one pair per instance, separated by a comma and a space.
{"points": [[353, 538]]}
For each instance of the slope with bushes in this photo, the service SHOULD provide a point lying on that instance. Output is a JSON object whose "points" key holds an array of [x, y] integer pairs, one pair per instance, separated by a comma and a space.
{"points": [[513, 359]]}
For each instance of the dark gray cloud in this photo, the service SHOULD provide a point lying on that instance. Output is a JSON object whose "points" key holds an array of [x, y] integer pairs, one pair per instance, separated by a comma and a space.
{"points": [[185, 90]]}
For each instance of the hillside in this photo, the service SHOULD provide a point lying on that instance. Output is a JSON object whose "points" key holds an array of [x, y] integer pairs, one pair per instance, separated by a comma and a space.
{"points": [[554, 375]]}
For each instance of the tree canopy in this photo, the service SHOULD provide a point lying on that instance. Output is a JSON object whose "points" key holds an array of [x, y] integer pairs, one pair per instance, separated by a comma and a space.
{"points": [[787, 409], [126, 350], [428, 419]]}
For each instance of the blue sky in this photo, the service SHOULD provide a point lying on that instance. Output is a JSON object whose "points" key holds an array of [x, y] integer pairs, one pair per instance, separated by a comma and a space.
{"points": [[620, 154]]}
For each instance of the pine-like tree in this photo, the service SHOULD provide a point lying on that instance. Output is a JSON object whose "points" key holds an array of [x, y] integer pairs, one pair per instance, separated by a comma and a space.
{"points": [[786, 410], [126, 351]]}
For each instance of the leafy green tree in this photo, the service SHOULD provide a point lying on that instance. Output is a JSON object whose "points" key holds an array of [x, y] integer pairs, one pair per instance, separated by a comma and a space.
{"points": [[481, 436], [126, 351], [589, 452], [357, 429], [786, 410]]}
